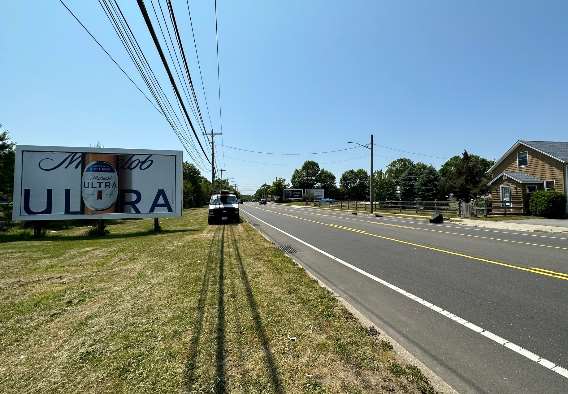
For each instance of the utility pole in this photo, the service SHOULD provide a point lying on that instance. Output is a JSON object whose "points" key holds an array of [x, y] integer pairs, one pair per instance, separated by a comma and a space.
{"points": [[372, 197], [371, 148], [212, 135], [221, 179]]}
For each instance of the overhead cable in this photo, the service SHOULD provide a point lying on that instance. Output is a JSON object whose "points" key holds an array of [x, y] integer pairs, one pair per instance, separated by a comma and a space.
{"points": [[290, 154], [109, 55], [129, 41], [150, 27]]}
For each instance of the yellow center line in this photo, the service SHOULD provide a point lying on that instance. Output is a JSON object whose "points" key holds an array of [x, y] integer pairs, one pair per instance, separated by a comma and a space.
{"points": [[534, 270], [453, 233], [550, 272]]}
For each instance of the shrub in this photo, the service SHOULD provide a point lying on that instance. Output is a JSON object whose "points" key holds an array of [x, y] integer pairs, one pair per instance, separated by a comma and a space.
{"points": [[5, 216], [548, 203]]}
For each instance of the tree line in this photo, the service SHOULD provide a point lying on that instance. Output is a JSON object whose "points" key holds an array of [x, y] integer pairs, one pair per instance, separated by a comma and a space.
{"points": [[461, 177], [197, 189]]}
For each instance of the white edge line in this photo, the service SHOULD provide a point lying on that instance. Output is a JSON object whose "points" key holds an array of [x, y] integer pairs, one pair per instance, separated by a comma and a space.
{"points": [[488, 334]]}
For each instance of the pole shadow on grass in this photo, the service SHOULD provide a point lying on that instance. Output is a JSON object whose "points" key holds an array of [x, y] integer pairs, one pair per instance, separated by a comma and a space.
{"points": [[259, 328], [191, 364], [221, 351]]}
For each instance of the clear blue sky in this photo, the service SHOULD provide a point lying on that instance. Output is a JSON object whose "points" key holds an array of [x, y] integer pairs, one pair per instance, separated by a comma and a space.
{"points": [[432, 77]]}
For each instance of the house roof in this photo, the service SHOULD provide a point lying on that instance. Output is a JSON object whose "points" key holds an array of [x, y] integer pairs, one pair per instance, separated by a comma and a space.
{"points": [[519, 177], [557, 150], [553, 149]]}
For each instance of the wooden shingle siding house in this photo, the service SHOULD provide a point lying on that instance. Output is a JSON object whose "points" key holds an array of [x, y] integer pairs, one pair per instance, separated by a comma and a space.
{"points": [[525, 168]]}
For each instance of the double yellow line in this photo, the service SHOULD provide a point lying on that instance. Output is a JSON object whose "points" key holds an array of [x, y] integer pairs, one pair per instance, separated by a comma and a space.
{"points": [[534, 270]]}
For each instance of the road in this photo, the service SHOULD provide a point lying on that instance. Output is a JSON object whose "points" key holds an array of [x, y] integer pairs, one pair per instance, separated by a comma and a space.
{"points": [[486, 310]]}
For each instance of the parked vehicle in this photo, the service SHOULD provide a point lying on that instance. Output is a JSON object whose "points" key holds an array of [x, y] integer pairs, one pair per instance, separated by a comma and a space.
{"points": [[223, 207], [262, 201]]}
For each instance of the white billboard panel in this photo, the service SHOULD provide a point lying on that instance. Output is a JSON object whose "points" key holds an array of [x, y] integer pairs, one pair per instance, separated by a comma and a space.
{"points": [[61, 183], [293, 194], [315, 194]]}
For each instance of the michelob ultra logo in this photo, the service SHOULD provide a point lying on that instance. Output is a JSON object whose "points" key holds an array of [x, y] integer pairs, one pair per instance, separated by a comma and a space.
{"points": [[62, 183], [100, 185]]}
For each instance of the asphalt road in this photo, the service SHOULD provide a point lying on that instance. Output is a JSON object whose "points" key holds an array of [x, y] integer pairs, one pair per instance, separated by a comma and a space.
{"points": [[487, 310]]}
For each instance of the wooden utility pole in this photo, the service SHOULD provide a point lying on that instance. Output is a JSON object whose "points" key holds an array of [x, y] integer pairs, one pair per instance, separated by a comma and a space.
{"points": [[221, 179], [372, 197], [212, 135]]}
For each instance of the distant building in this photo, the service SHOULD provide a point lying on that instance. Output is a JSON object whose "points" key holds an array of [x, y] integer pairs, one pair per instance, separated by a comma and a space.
{"points": [[526, 167]]}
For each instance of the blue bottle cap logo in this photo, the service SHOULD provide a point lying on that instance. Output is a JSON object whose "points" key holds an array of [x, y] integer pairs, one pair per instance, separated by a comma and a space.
{"points": [[99, 185]]}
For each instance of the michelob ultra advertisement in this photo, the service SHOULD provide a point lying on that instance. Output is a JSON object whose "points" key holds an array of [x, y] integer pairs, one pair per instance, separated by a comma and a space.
{"points": [[62, 183]]}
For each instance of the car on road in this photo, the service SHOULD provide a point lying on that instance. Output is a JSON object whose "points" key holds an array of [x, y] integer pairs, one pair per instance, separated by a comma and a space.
{"points": [[262, 201], [223, 207], [327, 201]]}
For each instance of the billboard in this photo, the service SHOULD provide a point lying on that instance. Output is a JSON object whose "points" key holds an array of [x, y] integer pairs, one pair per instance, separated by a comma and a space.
{"points": [[62, 183], [315, 194], [293, 194]]}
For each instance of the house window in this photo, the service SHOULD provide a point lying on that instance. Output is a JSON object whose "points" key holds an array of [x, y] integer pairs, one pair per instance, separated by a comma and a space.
{"points": [[549, 185], [505, 196], [523, 159], [531, 188]]}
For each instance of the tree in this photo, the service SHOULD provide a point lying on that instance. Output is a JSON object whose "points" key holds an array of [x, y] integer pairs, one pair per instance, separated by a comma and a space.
{"points": [[465, 176], [427, 185], [7, 158], [401, 172], [277, 188], [305, 177], [355, 184], [326, 180], [196, 188], [413, 180], [397, 168], [262, 192], [384, 187]]}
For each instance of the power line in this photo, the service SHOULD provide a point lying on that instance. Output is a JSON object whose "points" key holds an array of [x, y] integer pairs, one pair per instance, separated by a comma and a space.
{"points": [[125, 34], [167, 67], [129, 41], [236, 148], [160, 110], [280, 163], [185, 63], [199, 65], [410, 152], [292, 153], [219, 79], [109, 55], [174, 59]]}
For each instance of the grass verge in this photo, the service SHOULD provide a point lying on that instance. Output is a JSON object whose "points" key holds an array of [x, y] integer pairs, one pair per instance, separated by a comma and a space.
{"points": [[196, 308]]}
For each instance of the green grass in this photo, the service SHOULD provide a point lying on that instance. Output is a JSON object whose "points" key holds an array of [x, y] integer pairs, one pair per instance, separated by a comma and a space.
{"points": [[196, 308]]}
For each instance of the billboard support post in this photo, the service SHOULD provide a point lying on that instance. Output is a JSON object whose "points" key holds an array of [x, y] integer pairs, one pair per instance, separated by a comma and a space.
{"points": [[157, 227], [100, 227], [38, 230]]}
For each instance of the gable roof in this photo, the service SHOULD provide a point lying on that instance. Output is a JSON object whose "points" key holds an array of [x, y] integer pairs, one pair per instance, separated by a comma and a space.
{"points": [[519, 177], [553, 149], [557, 150]]}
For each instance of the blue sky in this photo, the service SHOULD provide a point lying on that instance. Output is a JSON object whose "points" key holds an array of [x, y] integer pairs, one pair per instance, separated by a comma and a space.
{"points": [[429, 77]]}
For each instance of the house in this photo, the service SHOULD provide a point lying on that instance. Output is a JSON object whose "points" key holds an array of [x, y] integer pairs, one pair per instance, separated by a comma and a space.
{"points": [[526, 167]]}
